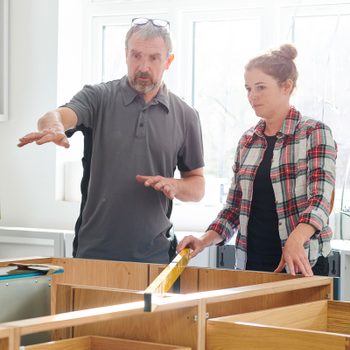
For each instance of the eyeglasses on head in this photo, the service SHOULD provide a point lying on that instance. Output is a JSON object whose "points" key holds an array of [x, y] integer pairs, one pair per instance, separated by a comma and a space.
{"points": [[157, 22]]}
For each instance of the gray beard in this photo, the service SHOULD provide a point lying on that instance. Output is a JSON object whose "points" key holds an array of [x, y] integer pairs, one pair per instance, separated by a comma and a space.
{"points": [[143, 89]]}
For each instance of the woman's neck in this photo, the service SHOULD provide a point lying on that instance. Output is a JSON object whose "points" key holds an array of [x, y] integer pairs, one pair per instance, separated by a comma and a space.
{"points": [[274, 125]]}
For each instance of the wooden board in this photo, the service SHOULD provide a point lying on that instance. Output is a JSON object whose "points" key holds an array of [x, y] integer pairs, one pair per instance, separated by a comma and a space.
{"points": [[311, 316], [242, 336], [173, 326], [211, 279], [317, 325], [339, 317], [4, 338], [102, 343], [103, 273]]}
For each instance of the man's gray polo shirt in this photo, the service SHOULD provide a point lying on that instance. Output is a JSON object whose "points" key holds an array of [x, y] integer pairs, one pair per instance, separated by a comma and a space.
{"points": [[122, 219]]}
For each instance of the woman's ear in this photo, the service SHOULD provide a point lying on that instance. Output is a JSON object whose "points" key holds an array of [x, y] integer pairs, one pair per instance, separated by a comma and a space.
{"points": [[288, 86]]}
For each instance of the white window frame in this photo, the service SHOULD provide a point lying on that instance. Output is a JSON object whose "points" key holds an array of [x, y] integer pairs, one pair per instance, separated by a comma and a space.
{"points": [[182, 13], [4, 6]]}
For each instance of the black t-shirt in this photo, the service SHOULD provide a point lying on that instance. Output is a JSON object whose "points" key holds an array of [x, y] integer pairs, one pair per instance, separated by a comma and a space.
{"points": [[264, 244]]}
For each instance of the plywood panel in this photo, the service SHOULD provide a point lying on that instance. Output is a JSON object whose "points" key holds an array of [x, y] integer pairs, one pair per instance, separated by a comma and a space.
{"points": [[311, 316], [317, 325], [102, 273], [240, 336], [4, 334], [85, 298], [204, 279], [83, 343], [64, 303], [211, 279], [89, 297], [4, 344], [171, 327], [268, 301], [102, 343], [339, 317]]}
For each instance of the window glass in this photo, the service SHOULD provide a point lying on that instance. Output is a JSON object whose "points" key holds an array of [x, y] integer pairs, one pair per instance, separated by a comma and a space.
{"points": [[323, 62], [220, 52], [113, 48]]}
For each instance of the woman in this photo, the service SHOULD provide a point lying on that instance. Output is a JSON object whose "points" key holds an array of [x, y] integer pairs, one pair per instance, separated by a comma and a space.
{"points": [[284, 175]]}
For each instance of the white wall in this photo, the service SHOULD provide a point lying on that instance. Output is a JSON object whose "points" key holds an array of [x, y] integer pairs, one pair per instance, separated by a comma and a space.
{"points": [[27, 175]]}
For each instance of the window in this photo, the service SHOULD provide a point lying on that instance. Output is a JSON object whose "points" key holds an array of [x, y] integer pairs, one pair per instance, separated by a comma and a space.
{"points": [[212, 43], [323, 63], [113, 65], [218, 93], [3, 59]]}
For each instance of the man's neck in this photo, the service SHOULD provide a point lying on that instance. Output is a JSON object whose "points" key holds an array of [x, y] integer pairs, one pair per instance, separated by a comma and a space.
{"points": [[149, 96]]}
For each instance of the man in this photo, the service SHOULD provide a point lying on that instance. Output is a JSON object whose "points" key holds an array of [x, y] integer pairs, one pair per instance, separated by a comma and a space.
{"points": [[138, 133]]}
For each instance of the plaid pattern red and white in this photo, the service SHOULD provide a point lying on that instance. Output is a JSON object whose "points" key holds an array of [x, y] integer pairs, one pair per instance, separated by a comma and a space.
{"points": [[303, 179]]}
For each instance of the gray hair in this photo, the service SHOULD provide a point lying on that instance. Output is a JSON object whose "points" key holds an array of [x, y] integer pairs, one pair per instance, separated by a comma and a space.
{"points": [[149, 31]]}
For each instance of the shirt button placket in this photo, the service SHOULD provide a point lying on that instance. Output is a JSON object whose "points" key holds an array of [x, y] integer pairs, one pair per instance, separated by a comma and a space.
{"points": [[140, 128]]}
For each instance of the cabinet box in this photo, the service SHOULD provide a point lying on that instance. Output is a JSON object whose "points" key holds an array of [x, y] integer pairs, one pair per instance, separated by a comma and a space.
{"points": [[105, 298], [313, 326]]}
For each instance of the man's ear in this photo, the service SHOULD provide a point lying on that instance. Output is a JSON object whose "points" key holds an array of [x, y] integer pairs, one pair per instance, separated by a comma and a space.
{"points": [[169, 60]]}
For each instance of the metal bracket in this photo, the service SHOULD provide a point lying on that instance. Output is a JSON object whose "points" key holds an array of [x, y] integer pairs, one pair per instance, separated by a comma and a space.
{"points": [[195, 317]]}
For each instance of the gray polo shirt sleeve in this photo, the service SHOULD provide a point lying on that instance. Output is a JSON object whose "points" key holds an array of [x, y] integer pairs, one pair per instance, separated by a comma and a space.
{"points": [[86, 103], [190, 156]]}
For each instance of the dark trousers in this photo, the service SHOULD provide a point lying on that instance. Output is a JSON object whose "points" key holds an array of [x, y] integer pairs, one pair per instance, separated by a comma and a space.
{"points": [[322, 267], [172, 247]]}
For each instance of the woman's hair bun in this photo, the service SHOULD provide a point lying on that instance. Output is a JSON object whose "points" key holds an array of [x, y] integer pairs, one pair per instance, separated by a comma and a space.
{"points": [[287, 51]]}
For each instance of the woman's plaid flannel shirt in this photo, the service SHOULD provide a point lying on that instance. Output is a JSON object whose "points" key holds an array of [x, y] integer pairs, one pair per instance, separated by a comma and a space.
{"points": [[303, 179]]}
